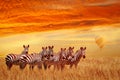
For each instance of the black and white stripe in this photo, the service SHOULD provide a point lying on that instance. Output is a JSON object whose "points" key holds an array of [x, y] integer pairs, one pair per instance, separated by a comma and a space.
{"points": [[31, 59], [12, 59]]}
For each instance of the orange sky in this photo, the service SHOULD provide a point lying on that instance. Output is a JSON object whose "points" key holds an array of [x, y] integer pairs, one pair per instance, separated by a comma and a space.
{"points": [[26, 17], [40, 15]]}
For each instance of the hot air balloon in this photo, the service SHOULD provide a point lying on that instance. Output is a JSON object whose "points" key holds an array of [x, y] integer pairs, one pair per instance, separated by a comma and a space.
{"points": [[100, 42]]}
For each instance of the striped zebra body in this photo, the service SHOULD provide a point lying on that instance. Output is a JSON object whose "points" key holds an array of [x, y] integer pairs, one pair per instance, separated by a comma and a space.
{"points": [[12, 59], [57, 60], [76, 58], [69, 52], [31, 59], [53, 60]]}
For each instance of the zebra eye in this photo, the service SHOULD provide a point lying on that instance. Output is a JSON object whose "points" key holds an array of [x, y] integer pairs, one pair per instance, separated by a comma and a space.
{"points": [[51, 55]]}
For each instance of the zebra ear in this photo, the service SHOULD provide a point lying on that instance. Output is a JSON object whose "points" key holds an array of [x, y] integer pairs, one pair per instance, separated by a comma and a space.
{"points": [[85, 48], [64, 49], [46, 48], [52, 46], [81, 48], [69, 47], [61, 49], [23, 46], [73, 48], [42, 47], [28, 45]]}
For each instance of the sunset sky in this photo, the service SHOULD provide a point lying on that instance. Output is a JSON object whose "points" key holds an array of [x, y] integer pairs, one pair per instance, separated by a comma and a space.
{"points": [[62, 23]]}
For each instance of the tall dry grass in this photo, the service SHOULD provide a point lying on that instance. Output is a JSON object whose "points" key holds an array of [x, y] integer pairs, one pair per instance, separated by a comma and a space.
{"points": [[88, 69]]}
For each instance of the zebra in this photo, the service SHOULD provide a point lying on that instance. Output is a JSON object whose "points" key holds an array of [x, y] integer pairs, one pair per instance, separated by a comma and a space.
{"points": [[34, 59], [50, 51], [13, 59], [49, 54], [26, 49], [53, 60], [56, 59], [62, 54], [44, 52], [31, 59], [76, 58], [69, 52]]}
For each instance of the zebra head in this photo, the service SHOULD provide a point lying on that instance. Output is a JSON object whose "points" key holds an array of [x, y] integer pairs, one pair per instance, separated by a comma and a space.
{"points": [[83, 51], [44, 52], [70, 51], [63, 53], [26, 49], [50, 50]]}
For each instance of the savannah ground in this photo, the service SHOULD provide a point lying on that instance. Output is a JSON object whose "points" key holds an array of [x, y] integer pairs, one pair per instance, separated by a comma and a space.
{"points": [[91, 68]]}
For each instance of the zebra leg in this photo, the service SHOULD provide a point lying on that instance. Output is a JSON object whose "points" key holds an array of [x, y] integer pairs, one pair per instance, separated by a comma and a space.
{"points": [[76, 65], [39, 66], [58, 66], [49, 66], [54, 66], [71, 65], [9, 65], [22, 66], [62, 67], [45, 66], [31, 67]]}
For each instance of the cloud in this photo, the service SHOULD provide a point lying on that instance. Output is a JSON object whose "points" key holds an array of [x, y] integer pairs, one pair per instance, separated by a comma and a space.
{"points": [[104, 3], [54, 4], [18, 28]]}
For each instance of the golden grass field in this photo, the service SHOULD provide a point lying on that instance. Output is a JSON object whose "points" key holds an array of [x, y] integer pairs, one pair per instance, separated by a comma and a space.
{"points": [[91, 68]]}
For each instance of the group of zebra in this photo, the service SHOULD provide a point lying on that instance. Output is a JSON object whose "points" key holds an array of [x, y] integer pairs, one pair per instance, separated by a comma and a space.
{"points": [[46, 58]]}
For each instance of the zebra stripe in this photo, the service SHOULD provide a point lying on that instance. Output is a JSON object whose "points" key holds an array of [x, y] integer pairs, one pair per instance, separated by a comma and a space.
{"points": [[77, 56], [31, 59], [12, 57]]}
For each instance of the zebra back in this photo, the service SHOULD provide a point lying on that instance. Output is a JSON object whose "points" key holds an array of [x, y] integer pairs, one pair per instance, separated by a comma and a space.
{"points": [[12, 57]]}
